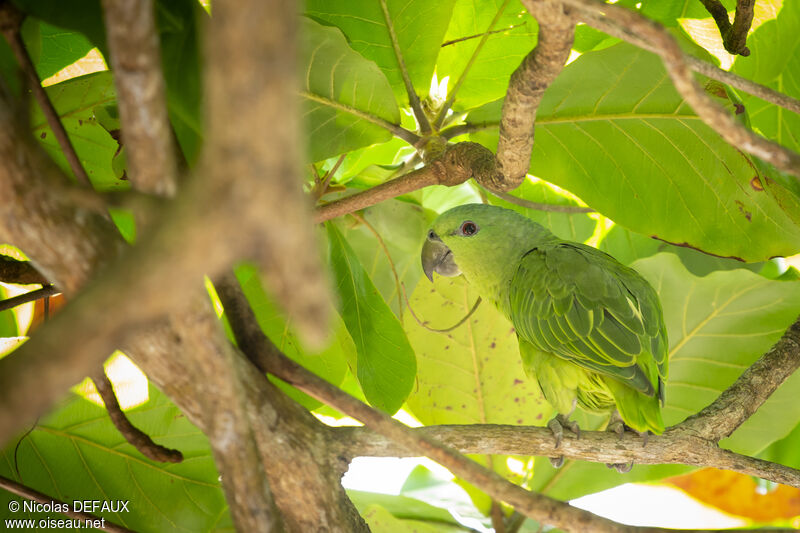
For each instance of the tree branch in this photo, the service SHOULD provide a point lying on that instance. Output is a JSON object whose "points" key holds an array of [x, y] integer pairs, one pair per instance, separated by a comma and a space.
{"points": [[44, 292], [459, 163], [10, 24], [526, 88], [705, 68], [734, 36], [673, 447], [19, 272], [34, 495], [135, 436], [709, 111], [136, 64]]}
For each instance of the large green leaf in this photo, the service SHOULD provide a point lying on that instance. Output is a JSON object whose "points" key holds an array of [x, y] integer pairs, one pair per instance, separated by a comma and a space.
{"points": [[381, 520], [487, 78], [386, 362], [484, 383], [84, 16], [401, 226], [329, 363], [75, 101], [177, 22], [571, 226], [76, 453], [770, 64], [402, 507], [52, 48], [335, 76], [613, 130], [418, 24], [719, 325]]}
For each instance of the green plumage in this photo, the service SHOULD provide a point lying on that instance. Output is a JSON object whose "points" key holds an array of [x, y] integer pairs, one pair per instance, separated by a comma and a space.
{"points": [[590, 329]]}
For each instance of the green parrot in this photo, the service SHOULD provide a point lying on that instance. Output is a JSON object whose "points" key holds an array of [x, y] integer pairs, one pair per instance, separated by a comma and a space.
{"points": [[590, 329]]}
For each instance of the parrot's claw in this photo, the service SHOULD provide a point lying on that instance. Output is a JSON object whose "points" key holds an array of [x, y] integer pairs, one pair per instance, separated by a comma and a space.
{"points": [[557, 425], [616, 425], [622, 468]]}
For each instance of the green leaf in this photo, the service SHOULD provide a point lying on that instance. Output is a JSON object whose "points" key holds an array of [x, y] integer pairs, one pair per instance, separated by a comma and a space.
{"points": [[75, 100], [84, 16], [418, 24], [336, 76], [177, 24], [401, 507], [55, 48], [386, 362], [76, 453], [485, 382], [401, 226], [571, 226], [380, 520], [612, 130], [718, 325], [329, 363], [487, 78], [778, 70]]}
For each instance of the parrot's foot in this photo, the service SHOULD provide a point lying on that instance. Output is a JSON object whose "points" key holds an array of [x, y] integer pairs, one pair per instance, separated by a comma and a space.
{"points": [[557, 425], [622, 468], [616, 425]]}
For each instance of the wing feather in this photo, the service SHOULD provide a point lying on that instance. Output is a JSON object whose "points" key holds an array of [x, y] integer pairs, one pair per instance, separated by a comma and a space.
{"points": [[582, 305]]}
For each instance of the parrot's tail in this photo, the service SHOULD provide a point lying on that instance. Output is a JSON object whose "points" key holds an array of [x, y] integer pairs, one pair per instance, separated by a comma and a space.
{"points": [[639, 411]]}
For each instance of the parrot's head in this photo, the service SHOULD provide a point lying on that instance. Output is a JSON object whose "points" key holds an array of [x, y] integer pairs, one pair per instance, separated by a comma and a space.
{"points": [[475, 238]]}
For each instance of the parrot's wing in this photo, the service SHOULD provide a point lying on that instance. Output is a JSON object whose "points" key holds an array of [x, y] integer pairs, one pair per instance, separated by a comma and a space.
{"points": [[582, 305]]}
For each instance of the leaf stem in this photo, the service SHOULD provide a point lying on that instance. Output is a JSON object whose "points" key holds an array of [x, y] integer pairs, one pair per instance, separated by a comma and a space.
{"points": [[398, 131], [11, 24], [437, 123], [413, 98]]}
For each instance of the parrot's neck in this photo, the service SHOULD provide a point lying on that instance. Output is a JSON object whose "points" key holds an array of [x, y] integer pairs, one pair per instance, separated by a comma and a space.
{"points": [[491, 275]]}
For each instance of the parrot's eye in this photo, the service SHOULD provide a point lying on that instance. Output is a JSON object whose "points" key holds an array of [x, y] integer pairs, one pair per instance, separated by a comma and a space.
{"points": [[469, 228]]}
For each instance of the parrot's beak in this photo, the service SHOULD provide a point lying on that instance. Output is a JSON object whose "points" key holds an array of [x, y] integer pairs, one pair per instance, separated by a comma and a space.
{"points": [[437, 257]]}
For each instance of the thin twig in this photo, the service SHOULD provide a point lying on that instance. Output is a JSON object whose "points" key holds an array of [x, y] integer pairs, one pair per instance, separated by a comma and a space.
{"points": [[19, 272], [437, 123], [36, 496], [135, 436], [412, 181], [398, 131], [539, 206], [44, 292], [443, 330], [716, 117], [459, 162], [326, 183], [612, 28], [469, 37], [10, 23], [413, 98]]}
